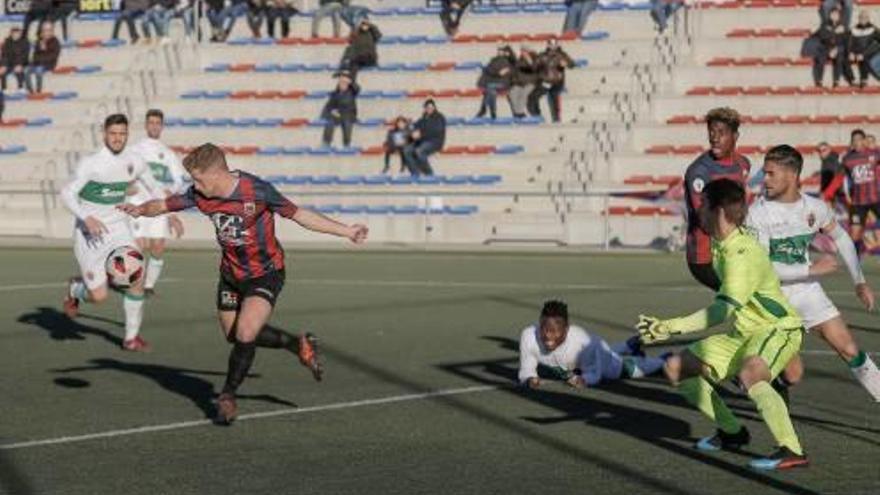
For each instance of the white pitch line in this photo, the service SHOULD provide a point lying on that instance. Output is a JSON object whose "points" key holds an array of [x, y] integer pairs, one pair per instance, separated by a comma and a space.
{"points": [[245, 417]]}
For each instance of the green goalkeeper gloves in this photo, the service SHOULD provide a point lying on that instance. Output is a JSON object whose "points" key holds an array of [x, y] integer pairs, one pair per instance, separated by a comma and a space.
{"points": [[653, 330]]}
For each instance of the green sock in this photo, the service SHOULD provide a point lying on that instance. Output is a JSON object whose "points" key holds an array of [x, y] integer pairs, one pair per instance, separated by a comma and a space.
{"points": [[772, 409], [703, 396]]}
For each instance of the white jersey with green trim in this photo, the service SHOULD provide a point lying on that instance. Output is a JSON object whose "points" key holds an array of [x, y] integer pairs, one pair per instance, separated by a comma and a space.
{"points": [[164, 165], [581, 352], [99, 184], [786, 230]]}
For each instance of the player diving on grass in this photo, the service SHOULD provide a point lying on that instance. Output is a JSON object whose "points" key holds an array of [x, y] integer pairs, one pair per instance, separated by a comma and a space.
{"points": [[97, 186], [242, 209], [786, 221], [766, 334], [576, 357]]}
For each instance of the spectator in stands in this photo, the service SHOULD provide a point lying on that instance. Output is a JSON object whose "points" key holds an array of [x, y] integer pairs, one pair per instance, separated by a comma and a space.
{"points": [[159, 15], [830, 166], [396, 140], [871, 143], [864, 43], [131, 10], [496, 76], [576, 16], [844, 6], [63, 10], [663, 10], [39, 10], [525, 77], [256, 15], [361, 50], [14, 57], [428, 137], [451, 12], [341, 108], [222, 15], [331, 8], [551, 64], [186, 11], [281, 11], [47, 49], [833, 39], [352, 15]]}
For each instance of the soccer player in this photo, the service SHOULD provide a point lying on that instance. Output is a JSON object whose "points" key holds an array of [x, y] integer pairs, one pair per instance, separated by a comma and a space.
{"points": [[574, 355], [150, 233], [720, 162], [859, 166], [785, 221], [242, 208], [766, 334], [99, 184]]}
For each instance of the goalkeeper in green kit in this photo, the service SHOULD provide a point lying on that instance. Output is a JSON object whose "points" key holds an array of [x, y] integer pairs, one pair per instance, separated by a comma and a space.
{"points": [[766, 333]]}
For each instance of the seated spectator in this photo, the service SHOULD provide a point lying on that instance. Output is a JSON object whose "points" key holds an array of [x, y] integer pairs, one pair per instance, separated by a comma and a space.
{"points": [[832, 43], [281, 11], [396, 140], [525, 77], [47, 49], [222, 15], [63, 10], [256, 15], [551, 64], [361, 51], [663, 10], [159, 15], [131, 10], [185, 11], [451, 12], [40, 11], [496, 76], [328, 8], [352, 15], [844, 6], [576, 16], [864, 43], [341, 109], [14, 57], [428, 137]]}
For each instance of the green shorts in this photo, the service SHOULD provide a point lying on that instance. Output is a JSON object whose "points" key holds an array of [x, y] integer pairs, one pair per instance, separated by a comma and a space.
{"points": [[724, 353]]}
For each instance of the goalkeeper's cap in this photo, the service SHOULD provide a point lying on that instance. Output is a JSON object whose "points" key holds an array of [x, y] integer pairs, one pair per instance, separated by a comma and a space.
{"points": [[555, 309]]}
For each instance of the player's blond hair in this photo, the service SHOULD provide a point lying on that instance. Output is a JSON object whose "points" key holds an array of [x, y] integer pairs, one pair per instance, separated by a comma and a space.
{"points": [[725, 115], [205, 157]]}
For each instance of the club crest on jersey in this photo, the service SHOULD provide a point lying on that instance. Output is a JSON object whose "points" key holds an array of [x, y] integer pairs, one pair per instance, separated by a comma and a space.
{"points": [[250, 209], [811, 220], [698, 185]]}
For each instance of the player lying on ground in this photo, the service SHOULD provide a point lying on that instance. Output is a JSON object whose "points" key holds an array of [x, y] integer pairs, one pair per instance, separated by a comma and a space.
{"points": [[766, 334], [785, 221], [574, 355], [98, 185], [242, 208]]}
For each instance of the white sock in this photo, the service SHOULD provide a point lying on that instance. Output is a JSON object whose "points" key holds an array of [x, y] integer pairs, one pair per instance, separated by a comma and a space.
{"points": [[134, 314], [154, 269], [866, 372], [640, 367]]}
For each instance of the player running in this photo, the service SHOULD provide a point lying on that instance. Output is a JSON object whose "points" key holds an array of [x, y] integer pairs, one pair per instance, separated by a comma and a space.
{"points": [[97, 186], [575, 356], [150, 233], [785, 221], [766, 334], [720, 162], [242, 208]]}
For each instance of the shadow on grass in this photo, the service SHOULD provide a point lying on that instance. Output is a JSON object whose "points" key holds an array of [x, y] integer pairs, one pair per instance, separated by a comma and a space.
{"points": [[60, 327], [12, 480]]}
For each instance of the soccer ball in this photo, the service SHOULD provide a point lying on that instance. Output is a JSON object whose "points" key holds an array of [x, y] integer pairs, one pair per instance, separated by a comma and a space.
{"points": [[125, 267]]}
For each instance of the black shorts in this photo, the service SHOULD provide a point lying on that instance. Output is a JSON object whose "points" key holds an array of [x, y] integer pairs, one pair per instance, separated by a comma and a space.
{"points": [[231, 292], [858, 214]]}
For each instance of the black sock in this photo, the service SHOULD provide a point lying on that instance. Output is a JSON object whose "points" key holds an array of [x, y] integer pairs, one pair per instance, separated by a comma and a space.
{"points": [[240, 360], [276, 339]]}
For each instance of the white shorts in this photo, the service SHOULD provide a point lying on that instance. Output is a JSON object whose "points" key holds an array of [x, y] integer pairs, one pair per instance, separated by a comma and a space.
{"points": [[811, 302], [91, 253], [150, 227]]}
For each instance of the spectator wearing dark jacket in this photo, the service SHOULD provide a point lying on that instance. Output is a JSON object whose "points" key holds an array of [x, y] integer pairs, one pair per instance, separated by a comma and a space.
{"points": [[63, 10], [281, 11], [40, 10], [428, 137], [131, 10], [341, 109], [361, 50], [451, 12], [525, 77], [844, 6], [396, 140], [864, 43], [47, 49], [14, 57], [222, 15], [552, 64], [496, 77], [833, 39]]}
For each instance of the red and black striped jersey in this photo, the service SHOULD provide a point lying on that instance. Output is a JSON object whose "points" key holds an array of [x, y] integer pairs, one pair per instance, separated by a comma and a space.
{"points": [[245, 225], [702, 171], [861, 170]]}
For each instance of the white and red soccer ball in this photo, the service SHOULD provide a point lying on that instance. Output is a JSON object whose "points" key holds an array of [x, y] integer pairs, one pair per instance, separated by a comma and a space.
{"points": [[125, 266]]}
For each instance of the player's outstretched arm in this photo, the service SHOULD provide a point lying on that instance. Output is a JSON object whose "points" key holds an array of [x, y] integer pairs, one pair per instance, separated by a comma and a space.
{"points": [[847, 251], [317, 222], [152, 208], [652, 329]]}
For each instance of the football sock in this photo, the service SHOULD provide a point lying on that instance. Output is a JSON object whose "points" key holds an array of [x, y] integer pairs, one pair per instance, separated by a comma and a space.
{"points": [[703, 396], [154, 269], [79, 291], [240, 360], [866, 372], [775, 414], [134, 314], [274, 338], [640, 367]]}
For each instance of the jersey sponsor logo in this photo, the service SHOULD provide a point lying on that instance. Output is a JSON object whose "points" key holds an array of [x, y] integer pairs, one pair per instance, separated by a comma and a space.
{"points": [[161, 172], [104, 193], [229, 229], [698, 185], [863, 173], [228, 298], [250, 208], [790, 250]]}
